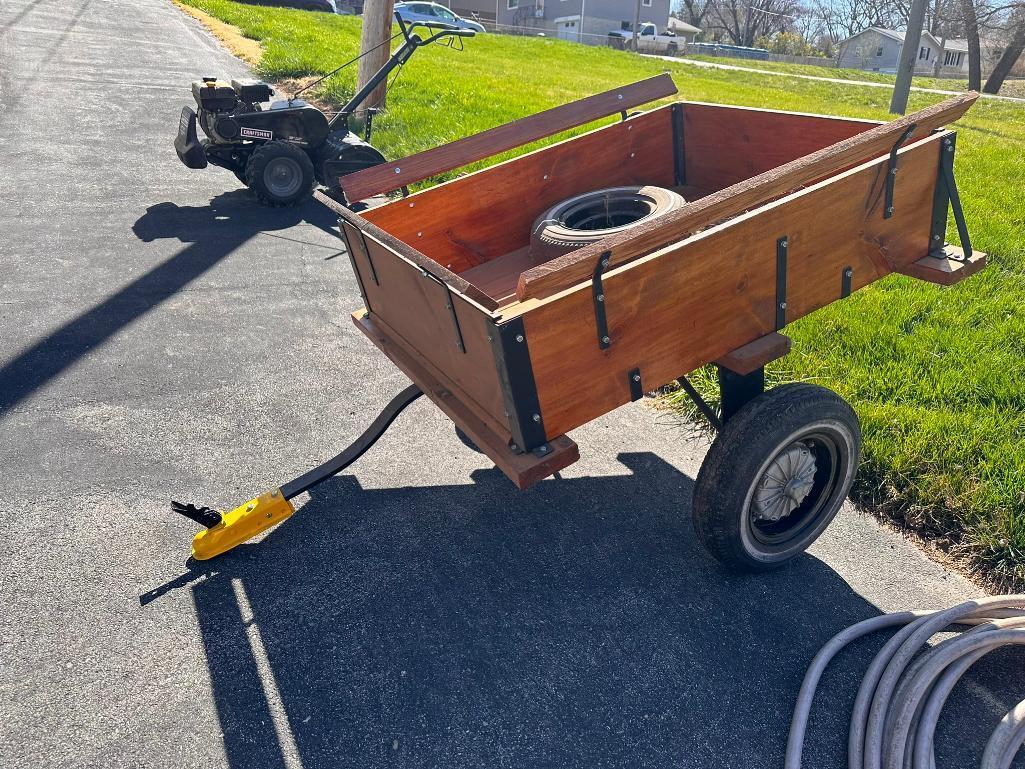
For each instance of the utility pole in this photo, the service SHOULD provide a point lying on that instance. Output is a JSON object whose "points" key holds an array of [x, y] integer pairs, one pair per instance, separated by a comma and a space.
{"points": [[637, 23], [377, 19], [908, 57]]}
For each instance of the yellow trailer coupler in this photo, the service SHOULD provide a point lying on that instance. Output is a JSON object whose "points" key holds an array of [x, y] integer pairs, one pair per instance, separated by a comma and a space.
{"points": [[227, 530], [234, 528]]}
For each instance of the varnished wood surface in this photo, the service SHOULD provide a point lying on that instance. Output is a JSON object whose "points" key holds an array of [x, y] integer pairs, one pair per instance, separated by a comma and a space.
{"points": [[524, 470], [489, 213], [695, 301], [947, 270], [395, 175], [754, 355], [570, 269]]}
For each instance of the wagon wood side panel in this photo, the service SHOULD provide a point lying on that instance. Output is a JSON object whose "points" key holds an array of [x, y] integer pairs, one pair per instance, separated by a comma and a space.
{"points": [[724, 145], [489, 213], [413, 305], [693, 302]]}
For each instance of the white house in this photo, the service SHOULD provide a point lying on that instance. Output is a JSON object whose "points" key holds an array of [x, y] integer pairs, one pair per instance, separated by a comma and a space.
{"points": [[682, 29], [878, 49]]}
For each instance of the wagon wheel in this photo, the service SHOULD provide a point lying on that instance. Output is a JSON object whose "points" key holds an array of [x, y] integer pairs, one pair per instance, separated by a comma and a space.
{"points": [[775, 476]]}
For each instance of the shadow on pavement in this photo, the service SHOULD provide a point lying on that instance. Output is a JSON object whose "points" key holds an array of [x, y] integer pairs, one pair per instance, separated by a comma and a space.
{"points": [[574, 625], [211, 233]]}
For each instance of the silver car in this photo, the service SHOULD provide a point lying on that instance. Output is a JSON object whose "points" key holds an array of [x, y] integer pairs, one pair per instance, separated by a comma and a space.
{"points": [[427, 13]]}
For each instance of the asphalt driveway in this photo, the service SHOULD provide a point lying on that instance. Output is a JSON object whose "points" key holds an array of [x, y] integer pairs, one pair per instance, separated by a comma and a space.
{"points": [[162, 336]]}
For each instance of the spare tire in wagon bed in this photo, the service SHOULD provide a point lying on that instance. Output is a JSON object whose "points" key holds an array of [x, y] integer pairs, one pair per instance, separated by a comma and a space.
{"points": [[593, 216]]}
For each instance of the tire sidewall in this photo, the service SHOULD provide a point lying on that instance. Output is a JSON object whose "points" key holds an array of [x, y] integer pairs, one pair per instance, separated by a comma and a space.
{"points": [[263, 156], [741, 452]]}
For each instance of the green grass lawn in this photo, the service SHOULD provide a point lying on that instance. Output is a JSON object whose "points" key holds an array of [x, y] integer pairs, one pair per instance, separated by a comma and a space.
{"points": [[936, 375]]}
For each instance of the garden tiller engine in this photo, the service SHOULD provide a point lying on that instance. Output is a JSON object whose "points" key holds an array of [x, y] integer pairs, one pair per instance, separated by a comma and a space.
{"points": [[281, 149]]}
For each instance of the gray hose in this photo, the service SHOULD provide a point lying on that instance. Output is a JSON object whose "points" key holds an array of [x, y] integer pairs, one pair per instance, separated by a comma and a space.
{"points": [[901, 695]]}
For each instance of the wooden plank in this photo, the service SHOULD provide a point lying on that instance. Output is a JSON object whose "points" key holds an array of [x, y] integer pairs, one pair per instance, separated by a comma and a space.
{"points": [[393, 176], [420, 310], [522, 469], [410, 254], [569, 269], [725, 144], [945, 270], [471, 220], [754, 355], [696, 301]]}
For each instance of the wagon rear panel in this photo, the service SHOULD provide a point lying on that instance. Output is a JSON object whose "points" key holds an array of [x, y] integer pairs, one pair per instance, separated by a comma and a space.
{"points": [[692, 302]]}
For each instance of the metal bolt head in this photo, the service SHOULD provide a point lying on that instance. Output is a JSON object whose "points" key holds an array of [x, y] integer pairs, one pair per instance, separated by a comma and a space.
{"points": [[782, 305], [250, 506], [783, 244], [936, 237], [600, 297], [519, 337], [632, 154], [270, 515], [950, 147], [605, 339], [514, 447], [848, 273], [536, 417], [542, 449], [605, 262], [893, 172], [619, 96], [398, 170], [889, 209], [636, 377]]}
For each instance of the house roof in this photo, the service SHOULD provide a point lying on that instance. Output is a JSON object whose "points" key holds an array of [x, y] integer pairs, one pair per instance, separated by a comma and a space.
{"points": [[680, 25], [956, 45], [898, 35]]}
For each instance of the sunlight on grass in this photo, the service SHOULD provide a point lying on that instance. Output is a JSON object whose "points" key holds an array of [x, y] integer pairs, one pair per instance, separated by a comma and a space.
{"points": [[936, 375]]}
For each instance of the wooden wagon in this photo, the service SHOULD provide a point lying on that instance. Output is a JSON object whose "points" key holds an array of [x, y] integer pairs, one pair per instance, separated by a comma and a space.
{"points": [[785, 214]]}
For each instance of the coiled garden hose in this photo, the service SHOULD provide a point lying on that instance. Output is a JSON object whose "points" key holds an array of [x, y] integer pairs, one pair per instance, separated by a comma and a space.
{"points": [[901, 696]]}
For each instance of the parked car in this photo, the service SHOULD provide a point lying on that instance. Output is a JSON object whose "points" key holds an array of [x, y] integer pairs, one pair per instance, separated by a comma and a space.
{"points": [[426, 13], [649, 40]]}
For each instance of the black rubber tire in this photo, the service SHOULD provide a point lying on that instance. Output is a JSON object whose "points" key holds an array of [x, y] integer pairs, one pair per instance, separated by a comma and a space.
{"points": [[467, 441], [280, 153], [763, 429], [555, 232]]}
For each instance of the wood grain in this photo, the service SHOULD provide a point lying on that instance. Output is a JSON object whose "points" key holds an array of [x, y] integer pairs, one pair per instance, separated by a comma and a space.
{"points": [[754, 355], [695, 301], [489, 213], [724, 145], [392, 176], [945, 270], [570, 269], [524, 470]]}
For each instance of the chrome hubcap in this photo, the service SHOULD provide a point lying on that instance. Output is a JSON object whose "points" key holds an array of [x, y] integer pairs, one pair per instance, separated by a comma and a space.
{"points": [[785, 484]]}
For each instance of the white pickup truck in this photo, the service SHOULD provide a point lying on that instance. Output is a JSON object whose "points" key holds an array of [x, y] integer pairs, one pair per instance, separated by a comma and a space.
{"points": [[649, 40]]}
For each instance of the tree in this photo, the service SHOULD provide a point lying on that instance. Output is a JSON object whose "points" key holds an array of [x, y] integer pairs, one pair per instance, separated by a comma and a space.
{"points": [[693, 12], [745, 20], [971, 29], [1010, 55]]}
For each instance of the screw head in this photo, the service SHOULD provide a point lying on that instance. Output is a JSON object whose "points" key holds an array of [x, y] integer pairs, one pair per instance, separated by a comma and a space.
{"points": [[250, 506], [542, 449], [519, 337], [893, 172], [782, 305], [935, 237], [270, 515], [783, 244], [600, 297], [398, 170], [605, 262], [848, 273], [636, 377], [605, 339], [889, 209], [536, 417], [632, 154]]}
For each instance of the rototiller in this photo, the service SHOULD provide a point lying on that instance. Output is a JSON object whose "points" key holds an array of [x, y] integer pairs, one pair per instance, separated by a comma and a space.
{"points": [[534, 296], [281, 150]]}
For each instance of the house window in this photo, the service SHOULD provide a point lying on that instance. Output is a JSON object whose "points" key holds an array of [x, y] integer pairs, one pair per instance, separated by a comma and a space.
{"points": [[646, 3], [959, 59], [879, 51], [923, 53], [512, 4]]}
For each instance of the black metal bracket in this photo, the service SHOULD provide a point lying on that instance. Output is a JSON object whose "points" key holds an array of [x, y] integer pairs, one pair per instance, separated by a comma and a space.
{"points": [[946, 196], [352, 261], [357, 448], [701, 403], [679, 159], [636, 388], [598, 293], [781, 281], [891, 170], [845, 281], [519, 391], [370, 259], [736, 390], [450, 307]]}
